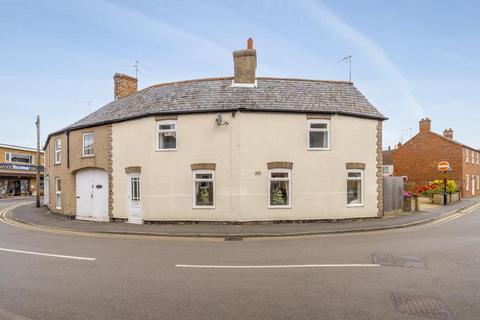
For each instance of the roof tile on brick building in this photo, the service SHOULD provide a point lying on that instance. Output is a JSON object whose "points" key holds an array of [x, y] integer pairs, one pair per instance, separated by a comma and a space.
{"points": [[217, 95]]}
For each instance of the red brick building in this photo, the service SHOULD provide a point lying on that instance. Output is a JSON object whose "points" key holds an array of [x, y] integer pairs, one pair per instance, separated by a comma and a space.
{"points": [[417, 159]]}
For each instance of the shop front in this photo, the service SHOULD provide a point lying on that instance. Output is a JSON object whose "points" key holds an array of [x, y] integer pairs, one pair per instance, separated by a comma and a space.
{"points": [[18, 180]]}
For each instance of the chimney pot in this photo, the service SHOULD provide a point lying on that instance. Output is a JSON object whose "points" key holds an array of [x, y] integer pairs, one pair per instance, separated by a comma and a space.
{"points": [[448, 133], [425, 125], [250, 43], [123, 85], [245, 65]]}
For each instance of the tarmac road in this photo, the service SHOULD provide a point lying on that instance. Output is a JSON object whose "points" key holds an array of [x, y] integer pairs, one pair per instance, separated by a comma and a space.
{"points": [[315, 277]]}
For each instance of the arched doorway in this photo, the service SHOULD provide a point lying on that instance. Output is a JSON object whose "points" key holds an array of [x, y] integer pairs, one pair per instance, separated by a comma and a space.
{"points": [[92, 195]]}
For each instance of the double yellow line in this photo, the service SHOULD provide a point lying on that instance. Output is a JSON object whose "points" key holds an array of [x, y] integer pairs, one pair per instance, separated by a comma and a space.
{"points": [[454, 216], [4, 218]]}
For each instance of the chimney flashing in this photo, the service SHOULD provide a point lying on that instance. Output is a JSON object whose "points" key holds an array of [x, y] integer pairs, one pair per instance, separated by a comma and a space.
{"points": [[244, 85]]}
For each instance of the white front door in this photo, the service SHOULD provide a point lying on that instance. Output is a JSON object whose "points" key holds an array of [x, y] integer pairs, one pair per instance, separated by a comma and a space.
{"points": [[92, 195], [473, 185], [134, 199]]}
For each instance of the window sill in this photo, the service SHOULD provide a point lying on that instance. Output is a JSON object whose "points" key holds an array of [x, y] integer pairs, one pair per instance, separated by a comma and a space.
{"points": [[355, 205], [279, 207], [319, 149], [90, 156], [57, 164], [166, 150], [204, 207]]}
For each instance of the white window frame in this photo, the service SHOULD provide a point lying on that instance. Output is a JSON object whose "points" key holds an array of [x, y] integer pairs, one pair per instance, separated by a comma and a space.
{"points": [[83, 144], [328, 131], [58, 193], [163, 122], [8, 157], [361, 178], [467, 185], [289, 179], [478, 182], [194, 195], [134, 179], [57, 146]]}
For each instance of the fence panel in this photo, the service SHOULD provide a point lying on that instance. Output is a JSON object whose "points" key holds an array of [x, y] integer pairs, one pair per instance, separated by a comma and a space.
{"points": [[392, 194]]}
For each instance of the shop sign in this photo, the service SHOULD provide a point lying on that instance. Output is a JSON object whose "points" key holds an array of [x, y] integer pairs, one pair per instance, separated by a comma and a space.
{"points": [[19, 167]]}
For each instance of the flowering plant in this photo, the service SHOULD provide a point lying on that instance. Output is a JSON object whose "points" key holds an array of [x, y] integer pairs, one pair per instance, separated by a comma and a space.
{"points": [[407, 195], [437, 186]]}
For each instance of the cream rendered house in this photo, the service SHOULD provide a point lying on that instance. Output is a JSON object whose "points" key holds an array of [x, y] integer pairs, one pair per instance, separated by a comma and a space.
{"points": [[242, 148]]}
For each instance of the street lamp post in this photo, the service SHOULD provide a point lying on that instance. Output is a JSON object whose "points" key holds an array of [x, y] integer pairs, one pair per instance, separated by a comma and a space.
{"points": [[37, 186]]}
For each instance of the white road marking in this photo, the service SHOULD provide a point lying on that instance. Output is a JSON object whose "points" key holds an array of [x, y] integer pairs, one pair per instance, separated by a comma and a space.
{"points": [[48, 254], [276, 266]]}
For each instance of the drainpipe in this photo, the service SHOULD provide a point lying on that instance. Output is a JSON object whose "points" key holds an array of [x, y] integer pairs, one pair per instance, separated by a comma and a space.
{"points": [[67, 133]]}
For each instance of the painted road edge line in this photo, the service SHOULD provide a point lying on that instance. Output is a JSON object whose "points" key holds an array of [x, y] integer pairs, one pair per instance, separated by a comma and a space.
{"points": [[275, 266], [47, 254]]}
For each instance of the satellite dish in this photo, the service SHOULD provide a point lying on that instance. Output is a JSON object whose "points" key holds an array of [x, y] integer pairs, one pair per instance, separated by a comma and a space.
{"points": [[218, 119]]}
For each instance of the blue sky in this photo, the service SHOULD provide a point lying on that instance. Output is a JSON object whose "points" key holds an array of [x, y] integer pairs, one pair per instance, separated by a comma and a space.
{"points": [[411, 59]]}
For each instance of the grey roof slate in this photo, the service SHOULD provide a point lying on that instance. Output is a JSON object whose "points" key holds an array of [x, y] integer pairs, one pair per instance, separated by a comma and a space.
{"points": [[217, 94]]}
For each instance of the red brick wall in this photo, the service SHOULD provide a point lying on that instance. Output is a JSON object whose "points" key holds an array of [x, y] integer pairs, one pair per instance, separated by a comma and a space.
{"points": [[471, 168]]}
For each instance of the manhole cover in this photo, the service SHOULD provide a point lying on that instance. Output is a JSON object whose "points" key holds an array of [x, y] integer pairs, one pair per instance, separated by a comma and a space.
{"points": [[421, 306], [233, 238], [395, 260]]}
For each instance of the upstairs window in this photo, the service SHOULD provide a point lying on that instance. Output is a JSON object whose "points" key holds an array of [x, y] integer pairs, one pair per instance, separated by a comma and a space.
{"points": [[279, 188], [166, 135], [319, 134], [88, 140], [354, 188], [203, 189], [20, 158], [58, 151]]}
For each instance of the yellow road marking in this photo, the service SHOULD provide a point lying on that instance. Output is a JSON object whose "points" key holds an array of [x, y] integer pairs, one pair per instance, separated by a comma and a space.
{"points": [[4, 218]]}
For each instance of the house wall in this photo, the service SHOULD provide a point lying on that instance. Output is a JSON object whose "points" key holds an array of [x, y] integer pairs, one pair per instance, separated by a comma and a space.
{"points": [[471, 168], [241, 151], [418, 158], [66, 171]]}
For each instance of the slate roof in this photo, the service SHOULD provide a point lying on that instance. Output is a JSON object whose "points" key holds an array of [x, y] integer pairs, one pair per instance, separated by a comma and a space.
{"points": [[217, 94]]}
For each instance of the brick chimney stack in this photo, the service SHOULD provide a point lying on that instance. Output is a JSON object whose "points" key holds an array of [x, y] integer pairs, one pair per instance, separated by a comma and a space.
{"points": [[245, 64], [448, 133], [425, 125], [124, 85]]}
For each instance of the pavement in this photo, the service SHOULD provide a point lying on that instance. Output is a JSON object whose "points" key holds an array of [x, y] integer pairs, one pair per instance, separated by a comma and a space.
{"points": [[28, 214]]}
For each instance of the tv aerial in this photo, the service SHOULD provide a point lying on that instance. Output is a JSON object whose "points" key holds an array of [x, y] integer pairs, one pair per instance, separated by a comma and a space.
{"points": [[348, 59]]}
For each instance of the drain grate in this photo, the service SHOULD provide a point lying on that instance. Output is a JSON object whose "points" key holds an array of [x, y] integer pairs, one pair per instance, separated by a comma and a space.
{"points": [[421, 306], [395, 260], [233, 238]]}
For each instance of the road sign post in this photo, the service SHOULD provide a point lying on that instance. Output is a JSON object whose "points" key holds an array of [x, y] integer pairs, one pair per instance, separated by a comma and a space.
{"points": [[444, 167]]}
